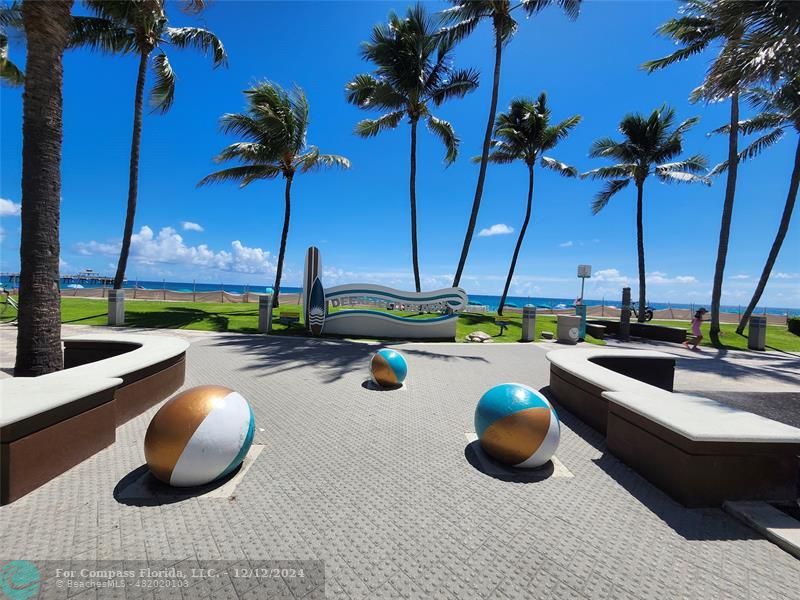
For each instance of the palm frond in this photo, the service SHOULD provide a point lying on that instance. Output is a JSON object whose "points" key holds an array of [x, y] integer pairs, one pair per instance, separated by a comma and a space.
{"points": [[445, 132], [314, 161], [372, 127], [608, 147], [459, 84], [201, 39], [11, 15], [163, 92], [500, 157], [244, 175], [101, 34], [693, 164], [558, 166], [681, 177], [570, 7], [761, 144], [602, 197], [249, 152], [613, 172], [9, 72], [679, 55]]}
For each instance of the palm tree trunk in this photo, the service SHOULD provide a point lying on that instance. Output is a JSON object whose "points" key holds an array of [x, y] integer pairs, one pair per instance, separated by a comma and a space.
{"points": [[412, 184], [133, 177], [287, 211], [783, 228], [39, 318], [640, 250], [487, 138], [519, 241], [727, 213]]}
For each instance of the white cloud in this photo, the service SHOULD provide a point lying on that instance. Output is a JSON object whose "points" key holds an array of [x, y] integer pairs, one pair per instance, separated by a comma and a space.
{"points": [[611, 275], [9, 208], [660, 278], [567, 244], [189, 226], [498, 229], [168, 247], [741, 276], [780, 275]]}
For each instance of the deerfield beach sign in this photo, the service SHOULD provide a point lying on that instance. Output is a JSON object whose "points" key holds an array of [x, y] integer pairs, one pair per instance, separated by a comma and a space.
{"points": [[327, 310]]}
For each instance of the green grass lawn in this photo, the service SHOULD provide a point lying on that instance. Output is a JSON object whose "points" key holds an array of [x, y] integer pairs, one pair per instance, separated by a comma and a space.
{"points": [[778, 336], [243, 318]]}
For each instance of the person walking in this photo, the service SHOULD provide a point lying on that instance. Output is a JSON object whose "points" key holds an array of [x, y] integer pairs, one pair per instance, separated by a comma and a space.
{"points": [[697, 321]]}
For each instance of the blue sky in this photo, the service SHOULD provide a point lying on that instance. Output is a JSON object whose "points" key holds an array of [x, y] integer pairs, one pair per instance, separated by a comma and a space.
{"points": [[360, 218]]}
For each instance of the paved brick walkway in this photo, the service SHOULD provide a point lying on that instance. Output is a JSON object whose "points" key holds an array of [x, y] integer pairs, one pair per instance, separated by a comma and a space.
{"points": [[382, 487]]}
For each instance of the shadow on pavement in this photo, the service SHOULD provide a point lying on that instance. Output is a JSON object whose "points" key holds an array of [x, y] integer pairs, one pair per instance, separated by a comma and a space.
{"points": [[141, 488], [276, 354], [482, 462]]}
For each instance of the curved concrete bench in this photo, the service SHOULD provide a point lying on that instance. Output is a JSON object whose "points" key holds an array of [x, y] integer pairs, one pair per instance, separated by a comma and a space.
{"points": [[578, 378], [703, 452], [51, 423], [151, 367]]}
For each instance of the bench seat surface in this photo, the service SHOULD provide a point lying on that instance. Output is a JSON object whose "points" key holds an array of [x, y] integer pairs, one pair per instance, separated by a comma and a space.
{"points": [[577, 362], [152, 350], [25, 397], [703, 420]]}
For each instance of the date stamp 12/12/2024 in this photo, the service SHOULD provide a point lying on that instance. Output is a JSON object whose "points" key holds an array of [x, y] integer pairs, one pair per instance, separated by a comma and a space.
{"points": [[24, 579]]}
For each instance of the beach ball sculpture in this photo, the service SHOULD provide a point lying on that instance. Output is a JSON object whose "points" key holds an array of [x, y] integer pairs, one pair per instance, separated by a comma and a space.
{"points": [[388, 368], [517, 426], [199, 436]]}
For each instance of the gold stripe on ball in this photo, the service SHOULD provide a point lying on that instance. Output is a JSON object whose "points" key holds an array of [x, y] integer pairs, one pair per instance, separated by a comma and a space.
{"points": [[382, 372], [174, 425], [516, 437]]}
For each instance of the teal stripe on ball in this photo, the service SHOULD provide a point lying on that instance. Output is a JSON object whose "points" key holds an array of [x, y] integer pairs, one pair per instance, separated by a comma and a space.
{"points": [[248, 441], [396, 362], [503, 400]]}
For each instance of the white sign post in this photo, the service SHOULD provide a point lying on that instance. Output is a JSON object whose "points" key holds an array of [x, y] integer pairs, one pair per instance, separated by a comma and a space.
{"points": [[584, 272]]}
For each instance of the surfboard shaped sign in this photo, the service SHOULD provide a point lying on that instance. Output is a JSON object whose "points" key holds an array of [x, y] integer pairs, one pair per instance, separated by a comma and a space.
{"points": [[316, 308]]}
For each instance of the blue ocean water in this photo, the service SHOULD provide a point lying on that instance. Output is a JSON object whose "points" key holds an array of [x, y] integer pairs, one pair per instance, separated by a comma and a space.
{"points": [[492, 302]]}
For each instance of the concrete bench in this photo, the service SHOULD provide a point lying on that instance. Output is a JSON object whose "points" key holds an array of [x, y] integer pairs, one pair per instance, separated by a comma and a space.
{"points": [[702, 452], [596, 331], [578, 378], [51, 423], [664, 333]]}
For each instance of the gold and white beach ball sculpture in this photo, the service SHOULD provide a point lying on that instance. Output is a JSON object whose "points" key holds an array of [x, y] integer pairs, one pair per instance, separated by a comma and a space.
{"points": [[199, 436]]}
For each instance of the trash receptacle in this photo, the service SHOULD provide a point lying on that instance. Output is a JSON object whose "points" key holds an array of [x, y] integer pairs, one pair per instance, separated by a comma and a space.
{"points": [[580, 311], [528, 323], [568, 330], [757, 333]]}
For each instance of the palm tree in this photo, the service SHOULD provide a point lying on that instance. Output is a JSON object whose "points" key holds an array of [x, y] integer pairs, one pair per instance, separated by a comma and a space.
{"points": [[141, 27], [413, 71], [464, 17], [758, 41], [10, 17], [701, 24], [524, 133], [39, 334], [274, 129], [781, 110], [648, 144]]}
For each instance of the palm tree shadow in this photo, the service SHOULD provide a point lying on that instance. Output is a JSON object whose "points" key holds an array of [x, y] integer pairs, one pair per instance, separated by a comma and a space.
{"points": [[334, 359], [141, 488], [176, 317]]}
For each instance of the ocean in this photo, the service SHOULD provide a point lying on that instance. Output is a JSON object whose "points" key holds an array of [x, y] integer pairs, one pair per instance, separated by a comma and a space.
{"points": [[492, 302]]}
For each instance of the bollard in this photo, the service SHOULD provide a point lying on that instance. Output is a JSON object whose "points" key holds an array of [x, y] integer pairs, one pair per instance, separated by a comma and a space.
{"points": [[580, 311], [757, 333], [625, 315], [528, 323], [568, 329], [116, 307], [265, 313]]}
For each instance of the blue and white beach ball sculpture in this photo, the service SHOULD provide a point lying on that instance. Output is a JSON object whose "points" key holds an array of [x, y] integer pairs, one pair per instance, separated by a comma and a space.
{"points": [[198, 436], [388, 368], [517, 426]]}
